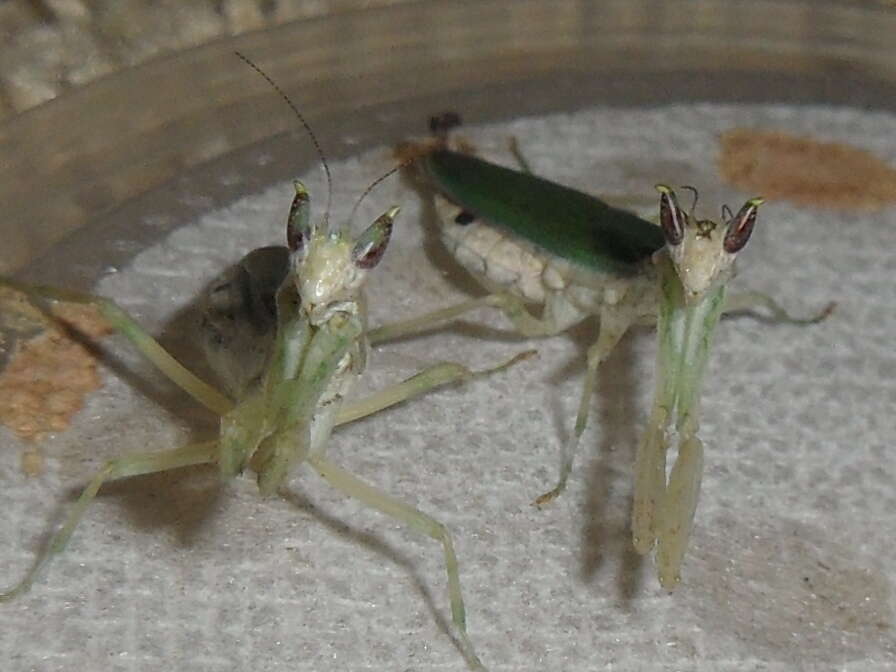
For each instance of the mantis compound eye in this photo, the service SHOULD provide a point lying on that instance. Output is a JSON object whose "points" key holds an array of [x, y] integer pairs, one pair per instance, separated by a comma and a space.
{"points": [[371, 244], [740, 227], [298, 223], [672, 218]]}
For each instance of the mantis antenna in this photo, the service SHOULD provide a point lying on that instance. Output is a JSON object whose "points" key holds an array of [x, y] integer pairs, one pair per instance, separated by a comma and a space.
{"points": [[376, 183], [694, 191], [307, 126]]}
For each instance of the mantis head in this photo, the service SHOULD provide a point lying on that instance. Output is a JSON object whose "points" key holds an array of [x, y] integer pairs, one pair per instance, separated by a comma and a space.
{"points": [[329, 267], [702, 250]]}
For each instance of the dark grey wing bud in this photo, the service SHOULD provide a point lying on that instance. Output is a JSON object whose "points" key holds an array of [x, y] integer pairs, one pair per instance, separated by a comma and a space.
{"points": [[239, 317]]}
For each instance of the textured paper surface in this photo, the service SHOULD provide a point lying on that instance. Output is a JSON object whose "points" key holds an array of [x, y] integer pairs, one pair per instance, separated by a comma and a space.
{"points": [[791, 562]]}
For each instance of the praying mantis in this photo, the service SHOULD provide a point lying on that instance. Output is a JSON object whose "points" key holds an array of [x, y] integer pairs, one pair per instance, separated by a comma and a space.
{"points": [[534, 243], [285, 330]]}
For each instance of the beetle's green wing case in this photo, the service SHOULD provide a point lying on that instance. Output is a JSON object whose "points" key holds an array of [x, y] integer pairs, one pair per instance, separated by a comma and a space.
{"points": [[563, 221]]}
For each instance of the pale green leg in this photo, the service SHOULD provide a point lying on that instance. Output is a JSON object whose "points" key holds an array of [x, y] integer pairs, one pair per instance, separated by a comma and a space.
{"points": [[650, 480], [677, 509], [428, 379], [748, 301], [514, 309], [650, 460], [342, 480], [685, 332], [120, 467], [612, 327], [426, 321], [201, 391], [665, 512], [241, 430]]}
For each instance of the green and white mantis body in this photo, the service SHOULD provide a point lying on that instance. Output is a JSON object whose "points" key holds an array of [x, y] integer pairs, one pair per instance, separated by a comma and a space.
{"points": [[535, 243], [285, 329]]}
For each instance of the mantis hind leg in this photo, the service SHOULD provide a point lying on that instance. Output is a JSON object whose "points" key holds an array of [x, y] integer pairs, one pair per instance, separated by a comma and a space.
{"points": [[749, 301], [197, 388], [346, 482], [430, 378], [525, 323], [136, 464]]}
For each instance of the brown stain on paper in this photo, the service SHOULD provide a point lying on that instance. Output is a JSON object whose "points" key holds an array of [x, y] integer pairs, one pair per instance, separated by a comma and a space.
{"points": [[805, 170], [49, 371]]}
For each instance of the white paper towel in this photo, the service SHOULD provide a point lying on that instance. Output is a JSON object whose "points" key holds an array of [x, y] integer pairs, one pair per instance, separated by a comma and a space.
{"points": [[791, 562]]}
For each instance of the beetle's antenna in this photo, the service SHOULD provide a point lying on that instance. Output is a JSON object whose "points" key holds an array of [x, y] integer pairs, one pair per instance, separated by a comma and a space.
{"points": [[303, 121], [693, 190], [376, 182]]}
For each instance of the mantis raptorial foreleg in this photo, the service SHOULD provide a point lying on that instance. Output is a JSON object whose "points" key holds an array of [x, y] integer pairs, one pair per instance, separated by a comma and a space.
{"points": [[136, 464], [650, 479], [342, 480], [664, 511], [650, 459], [677, 508]]}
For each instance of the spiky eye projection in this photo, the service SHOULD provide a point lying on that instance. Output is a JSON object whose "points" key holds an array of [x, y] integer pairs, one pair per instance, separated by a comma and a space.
{"points": [[298, 224], [740, 227], [672, 218], [371, 245]]}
